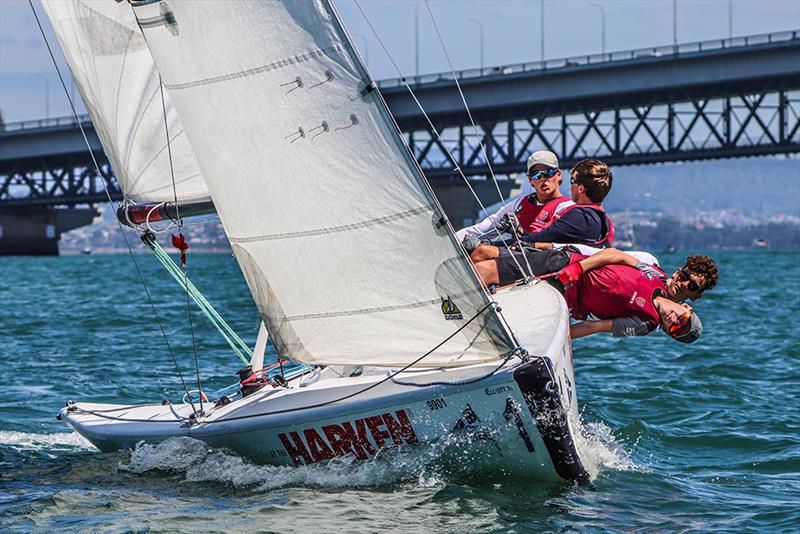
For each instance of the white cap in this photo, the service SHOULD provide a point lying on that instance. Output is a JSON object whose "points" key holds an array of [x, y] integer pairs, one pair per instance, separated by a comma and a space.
{"points": [[543, 157]]}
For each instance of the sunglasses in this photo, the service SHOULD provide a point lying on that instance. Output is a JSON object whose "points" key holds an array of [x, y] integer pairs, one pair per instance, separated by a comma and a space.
{"points": [[693, 286], [547, 173], [683, 321]]}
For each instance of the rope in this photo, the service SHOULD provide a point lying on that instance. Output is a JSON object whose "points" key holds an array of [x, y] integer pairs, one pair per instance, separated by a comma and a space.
{"points": [[108, 195], [236, 343], [180, 233], [437, 135], [389, 377], [475, 130], [458, 382]]}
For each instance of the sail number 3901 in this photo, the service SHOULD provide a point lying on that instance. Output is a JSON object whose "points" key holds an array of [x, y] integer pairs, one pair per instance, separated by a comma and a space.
{"points": [[437, 404]]}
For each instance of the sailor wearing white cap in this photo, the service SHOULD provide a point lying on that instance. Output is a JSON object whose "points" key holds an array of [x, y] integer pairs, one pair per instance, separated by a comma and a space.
{"points": [[533, 212]]}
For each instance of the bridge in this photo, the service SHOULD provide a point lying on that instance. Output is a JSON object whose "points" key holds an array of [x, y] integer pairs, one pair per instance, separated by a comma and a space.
{"points": [[713, 99]]}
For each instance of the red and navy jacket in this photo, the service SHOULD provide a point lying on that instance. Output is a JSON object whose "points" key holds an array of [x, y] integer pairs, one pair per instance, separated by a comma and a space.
{"points": [[584, 224]]}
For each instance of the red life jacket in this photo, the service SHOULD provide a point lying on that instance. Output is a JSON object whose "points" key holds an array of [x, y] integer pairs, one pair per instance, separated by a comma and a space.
{"points": [[606, 224], [616, 291], [533, 217]]}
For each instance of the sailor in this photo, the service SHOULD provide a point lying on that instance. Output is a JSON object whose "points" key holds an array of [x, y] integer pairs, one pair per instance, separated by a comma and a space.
{"points": [[584, 222], [533, 212], [698, 274], [628, 296], [631, 300], [686, 283]]}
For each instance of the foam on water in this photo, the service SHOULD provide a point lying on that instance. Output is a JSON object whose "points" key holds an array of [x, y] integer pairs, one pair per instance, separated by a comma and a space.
{"points": [[36, 442], [424, 466], [197, 461], [600, 450]]}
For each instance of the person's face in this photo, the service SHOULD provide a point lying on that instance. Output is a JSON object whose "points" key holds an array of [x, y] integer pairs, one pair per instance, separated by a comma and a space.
{"points": [[546, 188], [575, 189], [673, 314], [685, 285]]}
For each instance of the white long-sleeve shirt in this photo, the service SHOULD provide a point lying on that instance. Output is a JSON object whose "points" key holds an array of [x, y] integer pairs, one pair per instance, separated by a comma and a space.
{"points": [[485, 228]]}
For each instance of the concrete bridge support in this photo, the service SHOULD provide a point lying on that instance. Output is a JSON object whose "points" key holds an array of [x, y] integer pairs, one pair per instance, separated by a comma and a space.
{"points": [[36, 231]]}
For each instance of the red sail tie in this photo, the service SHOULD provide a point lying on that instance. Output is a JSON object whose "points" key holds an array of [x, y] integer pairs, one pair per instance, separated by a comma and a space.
{"points": [[179, 242]]}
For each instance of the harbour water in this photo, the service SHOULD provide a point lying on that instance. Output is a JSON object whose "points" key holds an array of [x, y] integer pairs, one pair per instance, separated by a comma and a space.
{"points": [[685, 438]]}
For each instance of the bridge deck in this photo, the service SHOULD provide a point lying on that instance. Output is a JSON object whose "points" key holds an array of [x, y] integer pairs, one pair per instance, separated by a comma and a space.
{"points": [[723, 98]]}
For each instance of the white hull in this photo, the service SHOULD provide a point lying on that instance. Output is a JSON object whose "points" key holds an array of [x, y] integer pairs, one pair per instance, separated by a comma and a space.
{"points": [[526, 423]]}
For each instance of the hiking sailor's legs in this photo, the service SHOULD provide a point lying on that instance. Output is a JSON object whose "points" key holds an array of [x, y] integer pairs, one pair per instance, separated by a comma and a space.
{"points": [[484, 252], [505, 268]]}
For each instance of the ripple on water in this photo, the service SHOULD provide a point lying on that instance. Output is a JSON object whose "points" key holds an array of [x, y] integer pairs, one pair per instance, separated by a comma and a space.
{"points": [[680, 438]]}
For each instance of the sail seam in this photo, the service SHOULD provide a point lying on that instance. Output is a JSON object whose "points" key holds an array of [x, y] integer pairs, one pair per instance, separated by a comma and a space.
{"points": [[364, 311], [335, 229], [275, 65]]}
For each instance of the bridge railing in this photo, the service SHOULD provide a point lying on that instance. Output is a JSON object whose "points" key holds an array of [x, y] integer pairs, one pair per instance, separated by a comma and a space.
{"points": [[591, 59], [550, 64], [32, 124]]}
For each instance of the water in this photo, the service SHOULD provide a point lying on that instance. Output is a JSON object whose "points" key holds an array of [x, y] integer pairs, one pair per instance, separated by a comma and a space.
{"points": [[702, 437]]}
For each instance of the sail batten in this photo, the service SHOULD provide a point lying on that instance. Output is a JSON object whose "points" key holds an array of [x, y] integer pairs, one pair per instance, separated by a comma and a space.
{"points": [[119, 84], [344, 248]]}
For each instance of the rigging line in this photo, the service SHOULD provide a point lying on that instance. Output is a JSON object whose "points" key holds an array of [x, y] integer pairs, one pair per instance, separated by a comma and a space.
{"points": [[439, 137], [230, 336], [457, 382], [475, 129], [388, 377], [180, 233], [466, 181], [110, 200], [410, 153]]}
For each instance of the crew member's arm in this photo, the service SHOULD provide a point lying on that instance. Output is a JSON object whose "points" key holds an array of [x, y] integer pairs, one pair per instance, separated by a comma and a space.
{"points": [[609, 256], [587, 328], [486, 226], [621, 327], [576, 226]]}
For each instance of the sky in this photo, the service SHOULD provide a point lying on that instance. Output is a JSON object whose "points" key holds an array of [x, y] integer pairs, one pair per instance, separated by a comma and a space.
{"points": [[29, 86]]}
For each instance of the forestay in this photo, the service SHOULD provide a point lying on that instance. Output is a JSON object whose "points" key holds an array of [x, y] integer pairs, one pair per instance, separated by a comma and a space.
{"points": [[114, 71], [342, 244]]}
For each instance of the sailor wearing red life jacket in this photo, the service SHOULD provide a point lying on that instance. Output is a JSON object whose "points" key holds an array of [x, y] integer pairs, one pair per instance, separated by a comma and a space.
{"points": [[625, 300], [584, 222], [534, 211]]}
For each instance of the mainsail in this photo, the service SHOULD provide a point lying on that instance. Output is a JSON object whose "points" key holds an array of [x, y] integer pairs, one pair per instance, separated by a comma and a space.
{"points": [[114, 71], [344, 247]]}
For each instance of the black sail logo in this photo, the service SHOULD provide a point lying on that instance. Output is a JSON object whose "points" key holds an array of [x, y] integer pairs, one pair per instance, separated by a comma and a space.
{"points": [[450, 310]]}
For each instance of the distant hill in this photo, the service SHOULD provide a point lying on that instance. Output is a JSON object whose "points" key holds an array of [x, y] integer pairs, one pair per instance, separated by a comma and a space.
{"points": [[767, 185]]}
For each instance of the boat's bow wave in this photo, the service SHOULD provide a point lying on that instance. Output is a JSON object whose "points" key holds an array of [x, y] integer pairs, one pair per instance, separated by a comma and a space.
{"points": [[448, 460], [196, 461]]}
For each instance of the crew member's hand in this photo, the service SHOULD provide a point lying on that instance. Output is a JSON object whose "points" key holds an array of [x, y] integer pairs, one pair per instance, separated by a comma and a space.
{"points": [[570, 273]]}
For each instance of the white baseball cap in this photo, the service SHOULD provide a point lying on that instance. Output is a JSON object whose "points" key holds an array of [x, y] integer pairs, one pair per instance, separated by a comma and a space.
{"points": [[543, 157]]}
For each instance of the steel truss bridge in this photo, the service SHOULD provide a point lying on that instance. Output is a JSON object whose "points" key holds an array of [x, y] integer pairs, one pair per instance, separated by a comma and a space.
{"points": [[719, 99], [714, 99]]}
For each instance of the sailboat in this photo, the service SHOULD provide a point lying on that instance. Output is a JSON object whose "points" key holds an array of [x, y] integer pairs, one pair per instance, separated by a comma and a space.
{"points": [[264, 111]]}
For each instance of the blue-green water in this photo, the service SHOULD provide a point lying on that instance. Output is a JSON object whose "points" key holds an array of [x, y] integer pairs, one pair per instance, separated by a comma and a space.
{"points": [[688, 438]]}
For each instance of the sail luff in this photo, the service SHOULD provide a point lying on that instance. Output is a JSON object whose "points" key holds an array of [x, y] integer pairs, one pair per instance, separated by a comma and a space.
{"points": [[344, 248]]}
